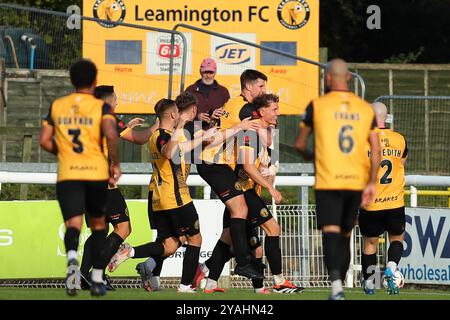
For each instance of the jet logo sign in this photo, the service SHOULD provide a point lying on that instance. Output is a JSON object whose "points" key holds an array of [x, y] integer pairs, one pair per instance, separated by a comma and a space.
{"points": [[233, 53], [233, 57]]}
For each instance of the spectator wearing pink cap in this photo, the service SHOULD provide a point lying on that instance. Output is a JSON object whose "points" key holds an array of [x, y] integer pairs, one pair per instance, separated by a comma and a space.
{"points": [[211, 96]]}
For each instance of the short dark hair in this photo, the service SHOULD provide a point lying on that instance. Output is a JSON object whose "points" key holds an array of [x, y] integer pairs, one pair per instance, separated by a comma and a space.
{"points": [[103, 92], [251, 75], [185, 100], [263, 101], [162, 106], [83, 73]]}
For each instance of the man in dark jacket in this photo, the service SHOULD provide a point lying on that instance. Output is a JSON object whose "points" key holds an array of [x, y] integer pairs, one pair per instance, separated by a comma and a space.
{"points": [[211, 96]]}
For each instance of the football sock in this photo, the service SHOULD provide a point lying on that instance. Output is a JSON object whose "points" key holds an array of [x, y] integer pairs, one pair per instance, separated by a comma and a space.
{"points": [[368, 262], [99, 260], [211, 284], [336, 287], [395, 251], [190, 263], [392, 265], [149, 249], [331, 249], [72, 255], [258, 283], [204, 268], [345, 256], [273, 253], [370, 284], [97, 275], [71, 240], [113, 242], [159, 263], [278, 279], [86, 263], [220, 255], [238, 231]]}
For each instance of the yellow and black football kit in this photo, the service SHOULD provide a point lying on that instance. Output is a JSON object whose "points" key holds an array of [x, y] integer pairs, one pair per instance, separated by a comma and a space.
{"points": [[170, 190], [83, 169], [77, 119], [391, 175], [218, 162], [258, 213], [116, 207], [225, 153], [341, 123], [387, 212], [171, 210]]}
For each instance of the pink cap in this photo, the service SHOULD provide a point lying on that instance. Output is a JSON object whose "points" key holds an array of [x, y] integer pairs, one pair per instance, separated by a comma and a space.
{"points": [[208, 64]]}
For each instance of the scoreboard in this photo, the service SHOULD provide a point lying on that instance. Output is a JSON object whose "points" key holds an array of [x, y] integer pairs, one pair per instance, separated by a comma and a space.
{"points": [[136, 61]]}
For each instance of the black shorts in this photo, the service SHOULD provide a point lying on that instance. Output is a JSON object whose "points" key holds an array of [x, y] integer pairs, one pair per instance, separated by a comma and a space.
{"points": [[175, 222], [116, 208], [258, 213], [337, 207], [222, 179], [78, 197], [375, 223]]}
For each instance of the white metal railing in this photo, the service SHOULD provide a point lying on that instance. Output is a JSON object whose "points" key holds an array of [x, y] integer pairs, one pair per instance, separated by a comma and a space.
{"points": [[139, 180], [301, 245], [195, 180]]}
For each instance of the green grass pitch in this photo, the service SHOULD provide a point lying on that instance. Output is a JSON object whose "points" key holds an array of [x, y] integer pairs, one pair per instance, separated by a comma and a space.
{"points": [[10, 293]]}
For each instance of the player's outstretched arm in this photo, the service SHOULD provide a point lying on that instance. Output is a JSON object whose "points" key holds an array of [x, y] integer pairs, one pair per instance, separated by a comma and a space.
{"points": [[141, 136], [205, 138], [244, 125]]}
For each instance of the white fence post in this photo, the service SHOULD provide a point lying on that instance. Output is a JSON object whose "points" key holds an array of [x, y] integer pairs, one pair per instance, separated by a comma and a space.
{"points": [[413, 198], [207, 192], [350, 272]]}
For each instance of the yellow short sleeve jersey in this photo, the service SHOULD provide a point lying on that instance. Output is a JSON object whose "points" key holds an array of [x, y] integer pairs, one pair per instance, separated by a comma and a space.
{"points": [[251, 142], [226, 153], [391, 175], [77, 119], [168, 182], [341, 124]]}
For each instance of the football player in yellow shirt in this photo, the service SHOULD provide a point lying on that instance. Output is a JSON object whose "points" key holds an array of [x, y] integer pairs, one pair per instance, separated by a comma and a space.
{"points": [[116, 207], [253, 155], [217, 169], [387, 211], [343, 128], [73, 130], [171, 209]]}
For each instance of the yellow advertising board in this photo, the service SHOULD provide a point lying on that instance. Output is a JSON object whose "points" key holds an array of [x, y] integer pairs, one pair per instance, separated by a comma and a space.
{"points": [[136, 61]]}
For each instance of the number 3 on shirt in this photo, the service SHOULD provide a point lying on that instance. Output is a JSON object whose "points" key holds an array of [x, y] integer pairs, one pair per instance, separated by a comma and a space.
{"points": [[78, 146]]}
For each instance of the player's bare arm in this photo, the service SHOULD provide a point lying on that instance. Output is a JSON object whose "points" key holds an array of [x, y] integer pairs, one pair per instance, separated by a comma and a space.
{"points": [[170, 149], [138, 137], [244, 125], [46, 139], [256, 176], [301, 142], [109, 131], [369, 192]]}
